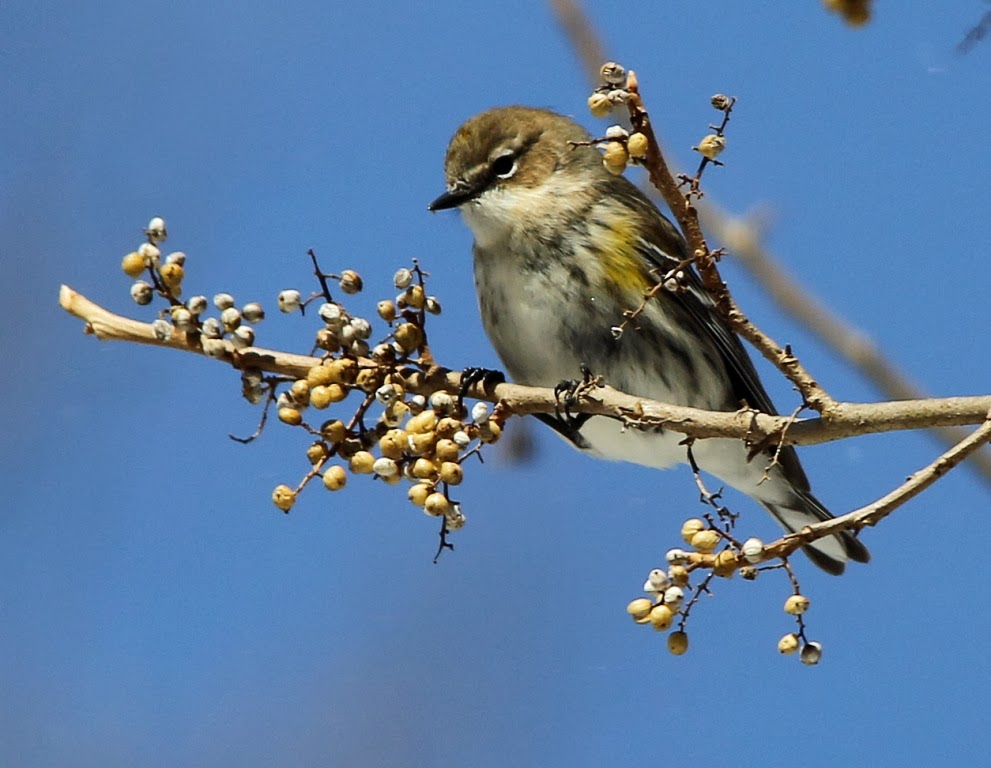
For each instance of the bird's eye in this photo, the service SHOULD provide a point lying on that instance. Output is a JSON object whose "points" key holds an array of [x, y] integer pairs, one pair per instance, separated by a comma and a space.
{"points": [[504, 166]]}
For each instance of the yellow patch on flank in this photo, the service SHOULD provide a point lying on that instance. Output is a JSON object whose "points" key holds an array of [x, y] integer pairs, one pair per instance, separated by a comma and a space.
{"points": [[622, 265]]}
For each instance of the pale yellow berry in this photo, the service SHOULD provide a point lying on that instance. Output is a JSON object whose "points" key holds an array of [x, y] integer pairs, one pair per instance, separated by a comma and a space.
{"points": [[796, 605], [436, 504], [451, 473], [788, 643], [334, 431], [418, 493], [336, 371], [290, 416], [640, 609], [690, 527], [133, 264], [392, 444], [446, 449], [706, 541], [636, 145], [361, 463], [489, 432], [661, 617], [425, 421], [409, 337], [336, 392], [678, 575], [394, 413], [386, 468], [386, 310], [350, 281], [327, 339], [317, 452], [320, 396], [599, 105], [172, 274], [615, 157], [421, 443], [415, 297], [424, 469], [447, 427], [335, 478], [319, 375], [369, 379], [678, 643], [283, 497], [300, 391], [711, 146], [726, 564]]}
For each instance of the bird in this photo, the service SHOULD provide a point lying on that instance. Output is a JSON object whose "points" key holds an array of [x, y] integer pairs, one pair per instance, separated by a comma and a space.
{"points": [[563, 247]]}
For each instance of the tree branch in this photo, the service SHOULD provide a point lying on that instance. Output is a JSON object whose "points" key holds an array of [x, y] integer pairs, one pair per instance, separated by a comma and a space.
{"points": [[865, 517], [844, 420]]}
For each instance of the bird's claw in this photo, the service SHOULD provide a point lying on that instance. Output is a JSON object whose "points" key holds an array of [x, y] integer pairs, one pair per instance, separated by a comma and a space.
{"points": [[472, 375], [569, 391]]}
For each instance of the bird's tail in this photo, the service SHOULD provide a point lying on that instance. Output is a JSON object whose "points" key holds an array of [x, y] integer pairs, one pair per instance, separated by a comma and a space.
{"points": [[830, 553]]}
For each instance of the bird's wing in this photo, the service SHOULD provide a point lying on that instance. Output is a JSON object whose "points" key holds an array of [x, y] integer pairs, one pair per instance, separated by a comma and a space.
{"points": [[663, 250]]}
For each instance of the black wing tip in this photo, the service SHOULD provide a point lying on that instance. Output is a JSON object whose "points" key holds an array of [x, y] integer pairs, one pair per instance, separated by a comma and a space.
{"points": [[854, 548], [829, 564]]}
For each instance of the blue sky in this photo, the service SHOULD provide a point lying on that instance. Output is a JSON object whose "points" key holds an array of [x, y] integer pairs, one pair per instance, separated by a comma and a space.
{"points": [[156, 610]]}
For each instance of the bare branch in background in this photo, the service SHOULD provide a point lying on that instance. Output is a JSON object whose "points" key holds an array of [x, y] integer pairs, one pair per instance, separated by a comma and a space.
{"points": [[975, 34]]}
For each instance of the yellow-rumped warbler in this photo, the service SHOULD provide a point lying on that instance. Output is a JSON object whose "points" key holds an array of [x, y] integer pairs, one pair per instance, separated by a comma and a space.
{"points": [[562, 249]]}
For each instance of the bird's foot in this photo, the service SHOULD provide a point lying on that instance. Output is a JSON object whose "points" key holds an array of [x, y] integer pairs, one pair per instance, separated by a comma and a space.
{"points": [[473, 375], [569, 392]]}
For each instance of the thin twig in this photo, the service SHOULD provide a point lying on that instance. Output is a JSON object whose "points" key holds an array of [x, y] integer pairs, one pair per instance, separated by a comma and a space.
{"points": [[687, 215]]}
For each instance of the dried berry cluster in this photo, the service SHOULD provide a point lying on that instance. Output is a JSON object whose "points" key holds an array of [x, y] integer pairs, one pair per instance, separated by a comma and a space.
{"points": [[422, 440], [666, 587], [619, 147]]}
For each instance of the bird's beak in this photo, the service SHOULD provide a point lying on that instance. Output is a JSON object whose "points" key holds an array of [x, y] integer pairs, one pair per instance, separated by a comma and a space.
{"points": [[451, 199]]}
